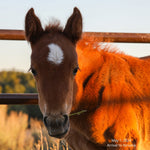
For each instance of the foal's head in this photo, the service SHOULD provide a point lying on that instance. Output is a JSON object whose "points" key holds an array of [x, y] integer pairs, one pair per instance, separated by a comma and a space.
{"points": [[54, 65]]}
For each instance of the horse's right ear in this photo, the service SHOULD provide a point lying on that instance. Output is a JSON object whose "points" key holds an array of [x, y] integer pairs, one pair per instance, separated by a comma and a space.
{"points": [[33, 27]]}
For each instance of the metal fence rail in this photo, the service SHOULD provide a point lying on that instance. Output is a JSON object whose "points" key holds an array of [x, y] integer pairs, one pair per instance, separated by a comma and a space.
{"points": [[25, 98], [93, 36]]}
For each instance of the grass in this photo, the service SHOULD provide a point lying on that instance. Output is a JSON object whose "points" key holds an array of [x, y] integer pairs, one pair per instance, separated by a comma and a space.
{"points": [[14, 134]]}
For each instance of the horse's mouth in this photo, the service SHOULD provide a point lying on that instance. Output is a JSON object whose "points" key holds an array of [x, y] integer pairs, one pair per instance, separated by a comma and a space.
{"points": [[59, 133], [59, 136]]}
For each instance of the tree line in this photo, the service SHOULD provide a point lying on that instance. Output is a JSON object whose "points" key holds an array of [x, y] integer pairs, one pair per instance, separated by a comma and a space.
{"points": [[16, 82]]}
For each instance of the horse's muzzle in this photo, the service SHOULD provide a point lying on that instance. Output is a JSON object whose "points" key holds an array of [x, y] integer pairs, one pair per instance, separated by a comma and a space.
{"points": [[57, 125]]}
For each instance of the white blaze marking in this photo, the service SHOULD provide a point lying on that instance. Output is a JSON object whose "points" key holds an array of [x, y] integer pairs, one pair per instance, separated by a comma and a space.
{"points": [[55, 54]]}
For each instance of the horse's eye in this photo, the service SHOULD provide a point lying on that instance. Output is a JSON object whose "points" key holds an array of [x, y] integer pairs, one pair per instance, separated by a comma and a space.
{"points": [[75, 71], [33, 71]]}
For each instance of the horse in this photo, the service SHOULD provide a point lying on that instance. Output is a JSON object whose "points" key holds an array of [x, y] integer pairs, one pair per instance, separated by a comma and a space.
{"points": [[96, 99]]}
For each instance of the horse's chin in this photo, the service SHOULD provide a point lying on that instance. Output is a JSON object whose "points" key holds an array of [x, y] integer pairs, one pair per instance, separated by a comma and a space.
{"points": [[61, 134]]}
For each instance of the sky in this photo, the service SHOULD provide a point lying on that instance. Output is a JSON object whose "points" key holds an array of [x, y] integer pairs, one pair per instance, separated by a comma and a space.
{"points": [[98, 16]]}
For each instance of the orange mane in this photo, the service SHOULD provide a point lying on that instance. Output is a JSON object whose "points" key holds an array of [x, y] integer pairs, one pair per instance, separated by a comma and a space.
{"points": [[113, 70]]}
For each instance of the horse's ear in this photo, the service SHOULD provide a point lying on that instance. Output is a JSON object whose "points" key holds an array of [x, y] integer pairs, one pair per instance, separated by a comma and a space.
{"points": [[73, 28], [33, 27]]}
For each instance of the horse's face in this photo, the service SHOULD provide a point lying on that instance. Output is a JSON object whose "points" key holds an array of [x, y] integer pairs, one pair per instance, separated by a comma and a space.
{"points": [[54, 65]]}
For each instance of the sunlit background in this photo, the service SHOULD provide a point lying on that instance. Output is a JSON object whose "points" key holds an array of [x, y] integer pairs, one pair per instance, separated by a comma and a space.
{"points": [[98, 16]]}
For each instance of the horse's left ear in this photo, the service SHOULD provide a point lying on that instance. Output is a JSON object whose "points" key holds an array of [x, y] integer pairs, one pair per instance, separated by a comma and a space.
{"points": [[73, 28]]}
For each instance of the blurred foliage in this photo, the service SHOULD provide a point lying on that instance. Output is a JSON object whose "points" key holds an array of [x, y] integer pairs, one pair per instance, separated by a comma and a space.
{"points": [[19, 82], [16, 82]]}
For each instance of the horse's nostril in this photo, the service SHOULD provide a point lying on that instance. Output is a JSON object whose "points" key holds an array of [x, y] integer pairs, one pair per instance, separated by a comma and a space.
{"points": [[66, 119], [45, 120]]}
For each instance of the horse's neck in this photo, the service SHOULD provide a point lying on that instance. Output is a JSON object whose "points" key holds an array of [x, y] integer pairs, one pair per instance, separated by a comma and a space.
{"points": [[101, 71]]}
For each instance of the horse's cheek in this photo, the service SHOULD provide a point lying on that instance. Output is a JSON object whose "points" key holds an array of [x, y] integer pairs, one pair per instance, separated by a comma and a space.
{"points": [[40, 99], [41, 105]]}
